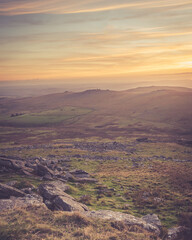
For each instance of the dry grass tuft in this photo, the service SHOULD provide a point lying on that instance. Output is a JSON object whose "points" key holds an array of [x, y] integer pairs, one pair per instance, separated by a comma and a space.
{"points": [[38, 223], [75, 219]]}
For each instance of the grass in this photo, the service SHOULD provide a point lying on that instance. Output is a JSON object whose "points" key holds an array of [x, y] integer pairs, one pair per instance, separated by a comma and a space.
{"points": [[21, 180], [161, 181], [38, 223], [158, 185], [44, 118]]}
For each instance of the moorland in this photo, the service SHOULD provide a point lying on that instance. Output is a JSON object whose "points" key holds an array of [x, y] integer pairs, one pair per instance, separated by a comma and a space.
{"points": [[133, 149]]}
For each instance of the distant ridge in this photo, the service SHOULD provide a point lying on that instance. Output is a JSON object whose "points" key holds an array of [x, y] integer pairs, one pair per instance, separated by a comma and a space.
{"points": [[143, 108]]}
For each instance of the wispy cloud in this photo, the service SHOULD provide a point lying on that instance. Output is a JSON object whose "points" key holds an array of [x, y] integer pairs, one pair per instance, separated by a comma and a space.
{"points": [[82, 38], [107, 37], [19, 7]]}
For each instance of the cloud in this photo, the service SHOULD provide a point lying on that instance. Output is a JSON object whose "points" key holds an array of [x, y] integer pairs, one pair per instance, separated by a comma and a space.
{"points": [[108, 36], [20, 7], [42, 39]]}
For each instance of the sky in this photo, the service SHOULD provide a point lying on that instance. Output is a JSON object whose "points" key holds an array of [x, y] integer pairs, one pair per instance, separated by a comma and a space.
{"points": [[95, 39]]}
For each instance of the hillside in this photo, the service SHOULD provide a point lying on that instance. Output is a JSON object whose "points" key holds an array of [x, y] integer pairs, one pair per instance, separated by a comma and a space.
{"points": [[149, 110], [120, 161]]}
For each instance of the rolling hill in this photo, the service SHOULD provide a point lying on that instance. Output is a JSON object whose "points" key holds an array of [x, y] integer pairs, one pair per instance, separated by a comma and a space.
{"points": [[151, 110]]}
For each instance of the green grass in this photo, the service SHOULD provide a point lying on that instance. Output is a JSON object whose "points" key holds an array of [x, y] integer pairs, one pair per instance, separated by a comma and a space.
{"points": [[44, 118], [156, 178], [20, 180]]}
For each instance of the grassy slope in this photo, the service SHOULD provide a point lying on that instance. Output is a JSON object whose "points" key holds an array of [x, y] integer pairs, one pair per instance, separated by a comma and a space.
{"points": [[41, 224], [44, 118], [155, 186], [115, 115], [142, 109]]}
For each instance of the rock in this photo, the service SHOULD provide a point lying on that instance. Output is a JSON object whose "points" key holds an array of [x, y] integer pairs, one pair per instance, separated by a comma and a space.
{"points": [[8, 191], [27, 190], [152, 219], [64, 203], [28, 200], [176, 233], [47, 177], [10, 163], [49, 204], [11, 183], [86, 180], [126, 218], [78, 173], [77, 156], [69, 177], [158, 200], [26, 171], [60, 177], [16, 165], [80, 176], [30, 165], [56, 199], [53, 189], [142, 139], [42, 170], [5, 163], [59, 169]]}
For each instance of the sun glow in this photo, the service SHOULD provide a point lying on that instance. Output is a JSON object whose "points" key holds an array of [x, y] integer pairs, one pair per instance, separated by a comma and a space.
{"points": [[60, 39]]}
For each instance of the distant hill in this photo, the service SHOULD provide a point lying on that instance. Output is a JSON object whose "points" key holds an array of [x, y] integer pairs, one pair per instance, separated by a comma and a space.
{"points": [[148, 109]]}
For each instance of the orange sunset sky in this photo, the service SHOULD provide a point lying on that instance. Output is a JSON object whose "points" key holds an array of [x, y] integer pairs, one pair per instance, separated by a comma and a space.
{"points": [[66, 39]]}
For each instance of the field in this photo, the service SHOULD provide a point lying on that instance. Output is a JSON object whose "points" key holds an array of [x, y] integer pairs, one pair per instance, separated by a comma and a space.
{"points": [[43, 118]]}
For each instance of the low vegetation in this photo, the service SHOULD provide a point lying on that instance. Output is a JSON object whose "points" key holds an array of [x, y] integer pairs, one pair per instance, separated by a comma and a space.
{"points": [[137, 149], [41, 224], [146, 178], [43, 118]]}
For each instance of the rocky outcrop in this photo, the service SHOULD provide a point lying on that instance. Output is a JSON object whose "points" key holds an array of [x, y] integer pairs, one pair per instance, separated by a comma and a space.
{"points": [[55, 197], [123, 217], [53, 189], [80, 176], [11, 164], [145, 139], [78, 173], [152, 219], [64, 203], [177, 233], [15, 165], [48, 169], [20, 202], [42, 171], [69, 177], [86, 180], [8, 191]]}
